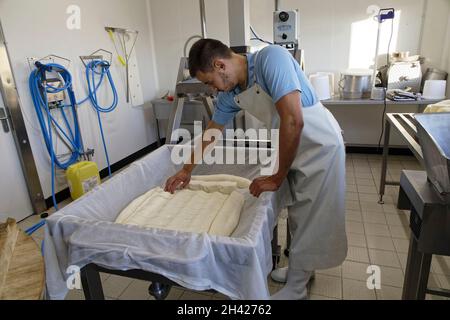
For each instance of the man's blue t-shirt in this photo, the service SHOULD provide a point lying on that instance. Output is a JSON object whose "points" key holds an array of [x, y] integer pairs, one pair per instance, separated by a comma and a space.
{"points": [[278, 74]]}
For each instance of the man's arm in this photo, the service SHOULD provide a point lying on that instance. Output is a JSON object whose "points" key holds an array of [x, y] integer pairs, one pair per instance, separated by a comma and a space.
{"points": [[291, 126], [183, 177], [290, 110]]}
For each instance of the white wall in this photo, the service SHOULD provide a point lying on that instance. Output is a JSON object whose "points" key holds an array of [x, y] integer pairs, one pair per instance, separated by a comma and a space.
{"points": [[38, 28], [335, 35], [173, 22]]}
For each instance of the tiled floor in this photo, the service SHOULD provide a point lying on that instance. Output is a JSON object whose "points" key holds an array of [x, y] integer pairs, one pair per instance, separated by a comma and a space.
{"points": [[377, 235]]}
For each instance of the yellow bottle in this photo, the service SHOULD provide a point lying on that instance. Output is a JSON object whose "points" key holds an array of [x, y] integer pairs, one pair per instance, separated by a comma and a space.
{"points": [[82, 177]]}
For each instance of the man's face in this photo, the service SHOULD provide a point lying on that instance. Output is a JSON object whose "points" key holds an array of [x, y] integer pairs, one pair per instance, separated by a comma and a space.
{"points": [[220, 78]]}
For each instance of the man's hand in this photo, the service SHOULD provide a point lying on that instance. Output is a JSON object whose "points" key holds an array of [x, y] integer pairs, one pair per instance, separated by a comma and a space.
{"points": [[265, 184], [182, 178]]}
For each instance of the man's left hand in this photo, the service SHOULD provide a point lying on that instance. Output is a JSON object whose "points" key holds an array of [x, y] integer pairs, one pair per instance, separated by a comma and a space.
{"points": [[265, 184]]}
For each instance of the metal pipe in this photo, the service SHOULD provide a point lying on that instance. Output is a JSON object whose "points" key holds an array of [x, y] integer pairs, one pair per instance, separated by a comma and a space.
{"points": [[203, 18], [277, 5]]}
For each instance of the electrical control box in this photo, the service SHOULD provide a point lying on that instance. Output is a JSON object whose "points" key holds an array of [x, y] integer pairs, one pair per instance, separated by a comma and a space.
{"points": [[285, 27]]}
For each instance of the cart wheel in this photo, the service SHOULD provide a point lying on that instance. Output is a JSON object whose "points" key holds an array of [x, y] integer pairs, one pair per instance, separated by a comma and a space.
{"points": [[159, 291]]}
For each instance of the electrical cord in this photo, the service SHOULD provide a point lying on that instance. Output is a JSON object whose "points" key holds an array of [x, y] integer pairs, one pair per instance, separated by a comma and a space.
{"points": [[383, 118], [256, 37]]}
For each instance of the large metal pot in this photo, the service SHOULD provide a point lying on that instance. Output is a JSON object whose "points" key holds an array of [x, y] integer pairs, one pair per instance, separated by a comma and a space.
{"points": [[355, 84]]}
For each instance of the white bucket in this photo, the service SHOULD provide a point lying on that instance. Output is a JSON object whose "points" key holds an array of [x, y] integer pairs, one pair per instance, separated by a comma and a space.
{"points": [[321, 84], [434, 89]]}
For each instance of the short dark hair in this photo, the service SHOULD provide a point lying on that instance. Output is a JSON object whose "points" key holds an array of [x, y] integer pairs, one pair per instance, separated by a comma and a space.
{"points": [[203, 53]]}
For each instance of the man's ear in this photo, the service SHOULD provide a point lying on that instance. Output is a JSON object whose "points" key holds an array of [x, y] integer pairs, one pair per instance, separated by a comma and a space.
{"points": [[219, 64]]}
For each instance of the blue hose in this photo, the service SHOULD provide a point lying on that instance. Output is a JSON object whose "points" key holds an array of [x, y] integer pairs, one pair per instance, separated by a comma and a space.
{"points": [[91, 73], [39, 89]]}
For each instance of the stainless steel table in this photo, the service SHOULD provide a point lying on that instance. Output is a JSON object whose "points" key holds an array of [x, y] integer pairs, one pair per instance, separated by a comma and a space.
{"points": [[430, 226]]}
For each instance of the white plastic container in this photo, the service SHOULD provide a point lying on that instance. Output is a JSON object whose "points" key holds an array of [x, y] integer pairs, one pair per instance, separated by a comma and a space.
{"points": [[321, 84], [435, 89]]}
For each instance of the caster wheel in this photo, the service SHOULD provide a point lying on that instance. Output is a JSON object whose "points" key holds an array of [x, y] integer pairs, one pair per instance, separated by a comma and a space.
{"points": [[159, 291]]}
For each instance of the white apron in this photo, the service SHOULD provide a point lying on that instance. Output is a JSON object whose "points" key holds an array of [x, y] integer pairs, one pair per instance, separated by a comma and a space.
{"points": [[317, 183]]}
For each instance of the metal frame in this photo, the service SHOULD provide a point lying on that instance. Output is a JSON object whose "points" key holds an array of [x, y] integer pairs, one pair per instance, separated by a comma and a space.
{"points": [[404, 123], [160, 287], [429, 233], [182, 91], [11, 101]]}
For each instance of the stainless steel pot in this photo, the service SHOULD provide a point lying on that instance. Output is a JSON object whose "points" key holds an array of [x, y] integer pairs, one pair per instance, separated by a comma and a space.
{"points": [[355, 86]]}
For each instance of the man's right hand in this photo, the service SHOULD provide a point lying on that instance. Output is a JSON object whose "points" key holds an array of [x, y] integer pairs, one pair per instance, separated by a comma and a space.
{"points": [[182, 178]]}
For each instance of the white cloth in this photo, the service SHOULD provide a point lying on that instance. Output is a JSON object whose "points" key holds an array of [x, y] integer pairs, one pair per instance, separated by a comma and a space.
{"points": [[317, 183], [443, 106], [209, 204], [84, 232]]}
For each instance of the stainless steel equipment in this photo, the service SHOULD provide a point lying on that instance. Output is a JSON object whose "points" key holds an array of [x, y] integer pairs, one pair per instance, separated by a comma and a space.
{"points": [[185, 89], [434, 137], [402, 75], [430, 226], [355, 84], [13, 113]]}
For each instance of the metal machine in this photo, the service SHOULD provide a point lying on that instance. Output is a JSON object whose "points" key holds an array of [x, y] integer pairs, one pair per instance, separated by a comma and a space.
{"points": [[427, 195], [285, 33]]}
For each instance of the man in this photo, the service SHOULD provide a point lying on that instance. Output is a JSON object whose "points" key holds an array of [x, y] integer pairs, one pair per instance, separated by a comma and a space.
{"points": [[271, 86]]}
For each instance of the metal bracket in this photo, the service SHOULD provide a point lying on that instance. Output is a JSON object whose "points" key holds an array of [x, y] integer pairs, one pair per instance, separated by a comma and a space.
{"points": [[51, 57], [96, 56], [4, 119]]}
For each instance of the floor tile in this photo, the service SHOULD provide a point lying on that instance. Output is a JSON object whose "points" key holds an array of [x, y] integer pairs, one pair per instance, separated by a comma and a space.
{"points": [[175, 294], [354, 227], [354, 216], [401, 245], [357, 290], [352, 205], [371, 207], [367, 189], [355, 270], [137, 290], [381, 243], [356, 240], [370, 217], [327, 286], [373, 229], [358, 254], [114, 286], [393, 277], [402, 232], [335, 272], [191, 295], [389, 293], [384, 258]]}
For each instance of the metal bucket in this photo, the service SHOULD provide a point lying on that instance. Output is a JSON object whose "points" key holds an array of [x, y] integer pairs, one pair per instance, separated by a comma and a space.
{"points": [[355, 86]]}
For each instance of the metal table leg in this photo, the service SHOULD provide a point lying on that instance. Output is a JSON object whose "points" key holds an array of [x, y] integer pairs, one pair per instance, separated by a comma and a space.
{"points": [[384, 163], [417, 273], [92, 283]]}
